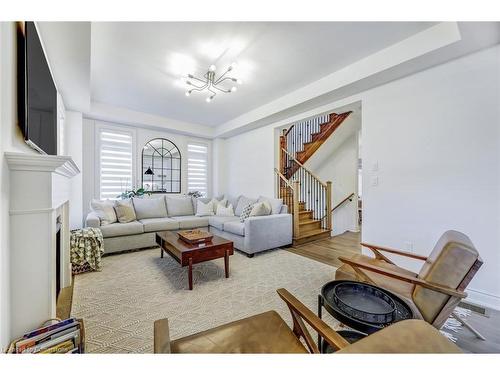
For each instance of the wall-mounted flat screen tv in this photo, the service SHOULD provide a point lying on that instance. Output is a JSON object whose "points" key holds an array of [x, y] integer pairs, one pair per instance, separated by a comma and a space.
{"points": [[37, 94]]}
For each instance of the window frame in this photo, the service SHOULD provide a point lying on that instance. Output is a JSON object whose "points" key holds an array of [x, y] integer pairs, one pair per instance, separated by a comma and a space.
{"points": [[180, 167]]}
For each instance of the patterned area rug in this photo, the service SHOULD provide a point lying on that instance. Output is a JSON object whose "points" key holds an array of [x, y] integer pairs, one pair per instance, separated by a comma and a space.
{"points": [[120, 303]]}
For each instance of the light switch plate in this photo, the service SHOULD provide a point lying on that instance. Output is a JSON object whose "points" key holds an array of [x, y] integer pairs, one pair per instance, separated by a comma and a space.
{"points": [[375, 181]]}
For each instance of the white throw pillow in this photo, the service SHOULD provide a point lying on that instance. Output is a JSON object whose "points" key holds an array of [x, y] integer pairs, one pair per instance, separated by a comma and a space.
{"points": [[261, 209], [204, 209], [225, 211], [216, 203], [104, 210], [125, 210]]}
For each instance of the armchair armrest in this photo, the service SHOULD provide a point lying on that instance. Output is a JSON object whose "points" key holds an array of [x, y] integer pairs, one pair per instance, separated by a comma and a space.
{"points": [[403, 277], [299, 311], [161, 337], [374, 248]]}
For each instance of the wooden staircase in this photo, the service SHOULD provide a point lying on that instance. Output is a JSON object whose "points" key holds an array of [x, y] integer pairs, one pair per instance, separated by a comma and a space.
{"points": [[310, 229], [309, 139], [308, 198]]}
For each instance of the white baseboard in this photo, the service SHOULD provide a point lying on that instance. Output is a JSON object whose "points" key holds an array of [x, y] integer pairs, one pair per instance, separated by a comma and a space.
{"points": [[483, 298]]}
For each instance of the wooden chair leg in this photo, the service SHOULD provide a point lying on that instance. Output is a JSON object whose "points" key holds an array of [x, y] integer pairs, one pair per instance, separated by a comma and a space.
{"points": [[468, 326]]}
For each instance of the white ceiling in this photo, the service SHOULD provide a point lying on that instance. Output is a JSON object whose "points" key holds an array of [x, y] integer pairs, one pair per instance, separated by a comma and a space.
{"points": [[138, 65]]}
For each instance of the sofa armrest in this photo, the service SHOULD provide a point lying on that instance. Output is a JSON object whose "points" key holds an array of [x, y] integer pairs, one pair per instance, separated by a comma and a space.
{"points": [[267, 232], [92, 220]]}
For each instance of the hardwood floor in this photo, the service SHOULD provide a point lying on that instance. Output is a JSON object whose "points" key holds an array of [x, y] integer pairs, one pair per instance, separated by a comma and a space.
{"points": [[328, 250]]}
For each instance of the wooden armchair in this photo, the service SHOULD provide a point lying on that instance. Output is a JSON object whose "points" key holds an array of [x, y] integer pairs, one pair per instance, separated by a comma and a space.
{"points": [[439, 286], [268, 333]]}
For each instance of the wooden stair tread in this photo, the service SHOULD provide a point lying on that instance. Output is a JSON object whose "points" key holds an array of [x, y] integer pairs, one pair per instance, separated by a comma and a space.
{"points": [[309, 221], [311, 233]]}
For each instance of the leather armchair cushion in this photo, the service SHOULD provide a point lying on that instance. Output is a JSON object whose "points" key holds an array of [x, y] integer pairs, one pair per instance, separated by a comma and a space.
{"points": [[407, 336], [402, 288], [262, 333], [450, 261]]}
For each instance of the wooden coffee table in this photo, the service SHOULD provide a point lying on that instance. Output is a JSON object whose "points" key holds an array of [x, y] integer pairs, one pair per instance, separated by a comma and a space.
{"points": [[187, 254]]}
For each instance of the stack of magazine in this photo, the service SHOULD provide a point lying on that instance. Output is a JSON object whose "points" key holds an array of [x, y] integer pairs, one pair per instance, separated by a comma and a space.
{"points": [[62, 337]]}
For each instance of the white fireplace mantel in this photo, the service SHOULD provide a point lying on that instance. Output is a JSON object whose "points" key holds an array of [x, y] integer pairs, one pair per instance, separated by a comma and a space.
{"points": [[63, 165], [39, 200]]}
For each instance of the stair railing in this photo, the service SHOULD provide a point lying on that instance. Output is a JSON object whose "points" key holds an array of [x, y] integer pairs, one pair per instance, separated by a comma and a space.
{"points": [[289, 192], [349, 198], [316, 195], [301, 132]]}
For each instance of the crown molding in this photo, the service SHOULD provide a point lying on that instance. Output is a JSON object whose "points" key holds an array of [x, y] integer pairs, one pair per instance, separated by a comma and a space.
{"points": [[62, 165]]}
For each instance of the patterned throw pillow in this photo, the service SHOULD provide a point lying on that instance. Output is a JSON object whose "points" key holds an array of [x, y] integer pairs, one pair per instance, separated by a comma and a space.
{"points": [[245, 213]]}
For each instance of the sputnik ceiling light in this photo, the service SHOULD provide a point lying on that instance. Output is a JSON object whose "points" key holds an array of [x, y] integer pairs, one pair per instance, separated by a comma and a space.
{"points": [[211, 83]]}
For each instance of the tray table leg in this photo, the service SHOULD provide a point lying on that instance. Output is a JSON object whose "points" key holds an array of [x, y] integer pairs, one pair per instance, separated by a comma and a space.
{"points": [[320, 313]]}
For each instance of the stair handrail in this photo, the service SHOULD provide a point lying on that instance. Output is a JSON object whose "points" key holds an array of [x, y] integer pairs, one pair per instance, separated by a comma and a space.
{"points": [[348, 198], [288, 130], [302, 166], [284, 178]]}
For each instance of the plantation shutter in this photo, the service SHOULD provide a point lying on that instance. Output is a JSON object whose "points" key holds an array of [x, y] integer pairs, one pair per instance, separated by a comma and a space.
{"points": [[115, 156], [198, 168]]}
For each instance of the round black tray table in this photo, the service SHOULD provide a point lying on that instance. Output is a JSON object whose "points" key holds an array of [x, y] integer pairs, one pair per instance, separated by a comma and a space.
{"points": [[365, 308]]}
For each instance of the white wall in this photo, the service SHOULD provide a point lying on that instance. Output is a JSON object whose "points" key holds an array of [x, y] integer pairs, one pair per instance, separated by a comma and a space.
{"points": [[74, 148], [142, 135], [11, 139], [338, 163], [249, 163], [435, 137]]}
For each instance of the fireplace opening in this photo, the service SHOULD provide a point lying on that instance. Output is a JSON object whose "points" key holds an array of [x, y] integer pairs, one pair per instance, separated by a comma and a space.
{"points": [[58, 256]]}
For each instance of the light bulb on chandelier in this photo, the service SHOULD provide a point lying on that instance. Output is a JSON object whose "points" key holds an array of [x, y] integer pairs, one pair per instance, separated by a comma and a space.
{"points": [[211, 82]]}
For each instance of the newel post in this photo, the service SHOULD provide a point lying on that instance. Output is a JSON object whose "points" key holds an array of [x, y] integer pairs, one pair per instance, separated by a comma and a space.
{"points": [[329, 205], [283, 146], [296, 189]]}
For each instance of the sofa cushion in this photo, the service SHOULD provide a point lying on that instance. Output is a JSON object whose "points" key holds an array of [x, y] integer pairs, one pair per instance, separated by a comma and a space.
{"points": [[125, 211], [188, 222], [122, 229], [104, 210], [180, 206], [159, 223], [219, 221], [146, 208], [233, 200], [242, 203], [276, 204], [235, 227]]}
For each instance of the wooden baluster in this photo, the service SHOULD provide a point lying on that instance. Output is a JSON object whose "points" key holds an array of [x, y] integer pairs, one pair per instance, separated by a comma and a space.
{"points": [[296, 187], [329, 205]]}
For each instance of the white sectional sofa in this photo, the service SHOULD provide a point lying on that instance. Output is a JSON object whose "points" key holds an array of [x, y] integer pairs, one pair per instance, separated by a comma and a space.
{"points": [[154, 214]]}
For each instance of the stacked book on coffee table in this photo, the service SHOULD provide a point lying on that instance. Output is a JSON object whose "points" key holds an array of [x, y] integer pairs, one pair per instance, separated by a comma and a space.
{"points": [[63, 337]]}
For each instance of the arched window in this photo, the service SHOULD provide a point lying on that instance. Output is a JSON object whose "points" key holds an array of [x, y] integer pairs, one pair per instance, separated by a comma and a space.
{"points": [[161, 166]]}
